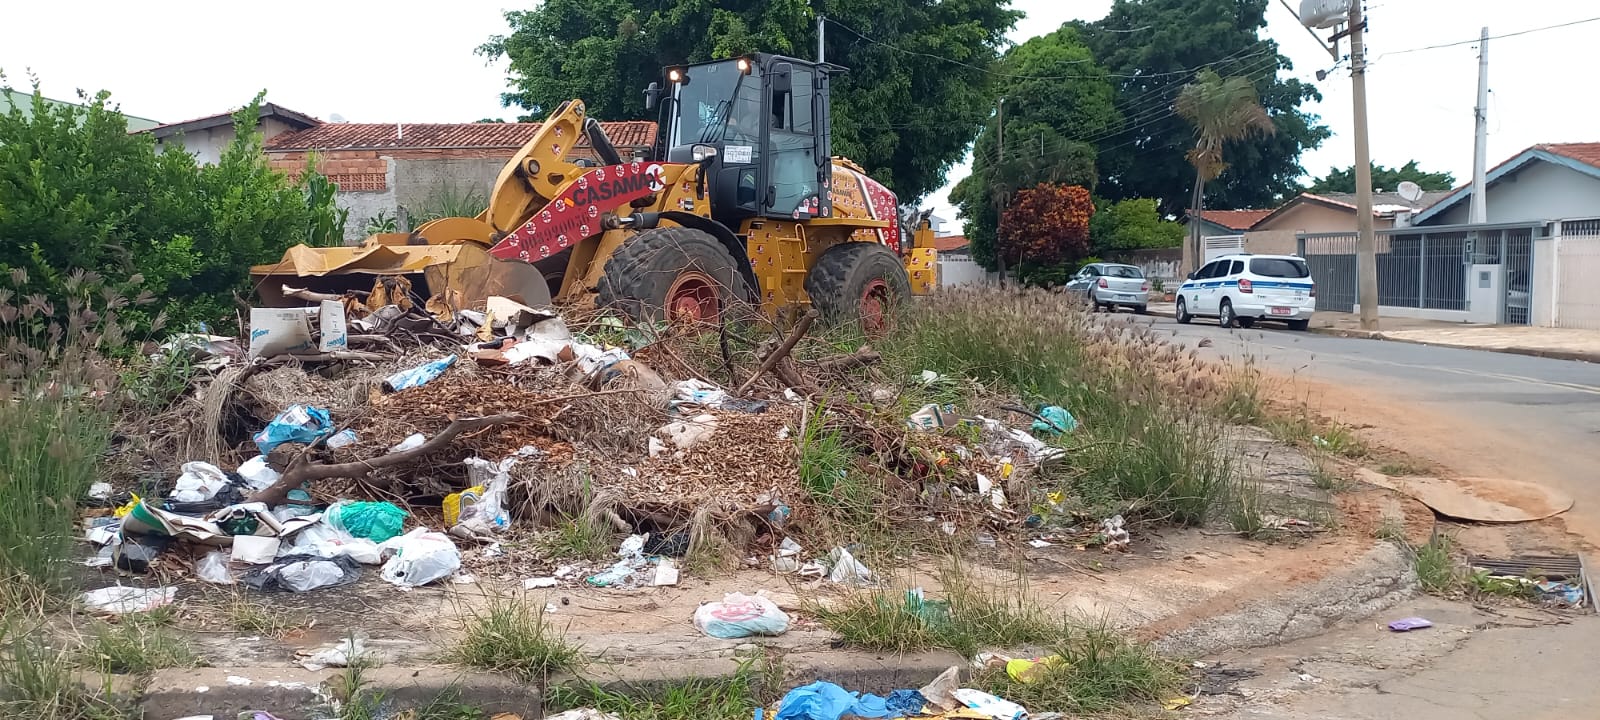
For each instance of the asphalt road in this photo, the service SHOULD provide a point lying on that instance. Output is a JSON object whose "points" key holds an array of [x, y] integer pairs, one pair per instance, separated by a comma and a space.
{"points": [[1476, 412]]}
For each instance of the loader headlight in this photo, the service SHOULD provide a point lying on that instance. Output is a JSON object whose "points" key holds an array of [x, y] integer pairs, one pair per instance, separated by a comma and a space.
{"points": [[675, 75], [744, 65], [701, 152]]}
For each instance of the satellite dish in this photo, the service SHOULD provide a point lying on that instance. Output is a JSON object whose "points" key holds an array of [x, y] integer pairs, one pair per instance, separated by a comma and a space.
{"points": [[1411, 191], [336, 118]]}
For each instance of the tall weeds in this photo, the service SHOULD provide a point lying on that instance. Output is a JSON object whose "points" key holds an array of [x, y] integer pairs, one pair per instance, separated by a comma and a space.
{"points": [[57, 392], [1152, 415]]}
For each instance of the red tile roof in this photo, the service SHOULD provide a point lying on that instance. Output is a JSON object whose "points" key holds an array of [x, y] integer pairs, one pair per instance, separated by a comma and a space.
{"points": [[387, 136], [949, 243], [1234, 219], [1582, 152]]}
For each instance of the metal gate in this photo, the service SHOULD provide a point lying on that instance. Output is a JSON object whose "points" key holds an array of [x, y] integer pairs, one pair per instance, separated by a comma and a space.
{"points": [[1332, 259], [1218, 245], [1517, 258]]}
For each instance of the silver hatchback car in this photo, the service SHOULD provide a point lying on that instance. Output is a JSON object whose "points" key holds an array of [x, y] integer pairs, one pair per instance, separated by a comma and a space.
{"points": [[1111, 285]]}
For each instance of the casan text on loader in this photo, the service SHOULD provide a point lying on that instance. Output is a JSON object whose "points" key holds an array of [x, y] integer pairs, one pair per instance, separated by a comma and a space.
{"points": [[741, 200]]}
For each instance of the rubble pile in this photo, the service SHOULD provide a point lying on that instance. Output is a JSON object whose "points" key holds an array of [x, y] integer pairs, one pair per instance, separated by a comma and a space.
{"points": [[414, 434]]}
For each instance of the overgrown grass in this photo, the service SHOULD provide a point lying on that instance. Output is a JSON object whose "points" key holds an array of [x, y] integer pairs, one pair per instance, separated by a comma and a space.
{"points": [[1099, 671], [57, 396], [134, 644], [1102, 670], [701, 699], [1324, 477], [1435, 563], [512, 637], [41, 681], [578, 536], [968, 619], [1152, 416], [252, 617], [1402, 468]]}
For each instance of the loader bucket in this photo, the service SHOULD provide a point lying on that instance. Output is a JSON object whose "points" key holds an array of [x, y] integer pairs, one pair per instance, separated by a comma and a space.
{"points": [[467, 268]]}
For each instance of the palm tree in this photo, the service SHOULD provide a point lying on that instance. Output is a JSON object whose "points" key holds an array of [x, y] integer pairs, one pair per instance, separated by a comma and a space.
{"points": [[1222, 110]]}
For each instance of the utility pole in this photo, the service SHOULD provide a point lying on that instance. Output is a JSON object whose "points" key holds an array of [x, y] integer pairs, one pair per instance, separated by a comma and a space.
{"points": [[999, 197], [1480, 148], [1366, 241], [822, 52]]}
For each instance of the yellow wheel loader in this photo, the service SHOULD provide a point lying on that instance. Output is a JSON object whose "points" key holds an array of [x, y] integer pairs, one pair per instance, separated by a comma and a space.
{"points": [[741, 201]]}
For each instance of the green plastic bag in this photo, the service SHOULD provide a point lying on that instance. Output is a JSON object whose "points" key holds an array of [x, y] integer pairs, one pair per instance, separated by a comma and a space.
{"points": [[375, 521], [1059, 420]]}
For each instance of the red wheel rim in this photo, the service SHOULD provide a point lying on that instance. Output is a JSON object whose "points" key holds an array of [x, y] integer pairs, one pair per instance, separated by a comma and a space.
{"points": [[875, 307], [693, 298]]}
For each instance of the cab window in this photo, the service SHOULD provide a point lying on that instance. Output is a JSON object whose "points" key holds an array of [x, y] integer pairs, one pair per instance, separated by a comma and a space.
{"points": [[1238, 267]]}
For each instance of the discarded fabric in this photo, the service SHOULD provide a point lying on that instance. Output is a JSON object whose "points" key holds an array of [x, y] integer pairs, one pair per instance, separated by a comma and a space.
{"points": [[738, 615], [299, 424], [417, 376], [905, 703], [824, 700], [1410, 623], [421, 557], [375, 521], [303, 573], [119, 600]]}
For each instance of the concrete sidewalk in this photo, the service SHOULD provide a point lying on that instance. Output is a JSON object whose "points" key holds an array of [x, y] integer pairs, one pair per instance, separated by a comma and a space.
{"points": [[1558, 343]]}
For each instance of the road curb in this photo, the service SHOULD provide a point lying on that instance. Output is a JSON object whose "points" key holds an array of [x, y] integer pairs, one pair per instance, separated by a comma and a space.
{"points": [[296, 694], [1377, 579], [1381, 578]]}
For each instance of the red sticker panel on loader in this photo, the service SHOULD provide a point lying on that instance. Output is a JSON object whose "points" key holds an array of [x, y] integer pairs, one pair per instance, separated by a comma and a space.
{"points": [[575, 213]]}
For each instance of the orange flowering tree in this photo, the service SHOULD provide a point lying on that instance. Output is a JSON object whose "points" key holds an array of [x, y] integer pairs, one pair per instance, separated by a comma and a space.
{"points": [[1047, 225]]}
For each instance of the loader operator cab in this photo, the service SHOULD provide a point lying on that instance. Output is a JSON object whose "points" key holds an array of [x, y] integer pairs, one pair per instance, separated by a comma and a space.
{"points": [[760, 123]]}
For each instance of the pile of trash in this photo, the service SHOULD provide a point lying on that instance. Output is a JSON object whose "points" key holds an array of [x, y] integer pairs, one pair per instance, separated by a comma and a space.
{"points": [[370, 429]]}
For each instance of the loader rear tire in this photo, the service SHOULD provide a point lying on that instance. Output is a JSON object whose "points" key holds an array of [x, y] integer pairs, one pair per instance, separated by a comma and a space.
{"points": [[859, 282], [672, 273]]}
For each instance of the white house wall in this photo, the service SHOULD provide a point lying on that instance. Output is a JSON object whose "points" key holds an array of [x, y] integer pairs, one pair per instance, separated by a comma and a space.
{"points": [[1540, 191]]}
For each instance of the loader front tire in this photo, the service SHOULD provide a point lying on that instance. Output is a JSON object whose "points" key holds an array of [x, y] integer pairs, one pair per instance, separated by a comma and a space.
{"points": [[672, 273], [859, 282]]}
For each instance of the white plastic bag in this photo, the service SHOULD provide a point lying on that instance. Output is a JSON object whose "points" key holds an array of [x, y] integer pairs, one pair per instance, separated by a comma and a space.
{"points": [[199, 482], [847, 569], [739, 615], [310, 575], [213, 568], [698, 392], [489, 513], [256, 474], [420, 557], [119, 600], [997, 708]]}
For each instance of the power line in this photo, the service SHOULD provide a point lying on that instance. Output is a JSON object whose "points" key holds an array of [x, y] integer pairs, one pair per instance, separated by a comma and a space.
{"points": [[995, 73], [1492, 37]]}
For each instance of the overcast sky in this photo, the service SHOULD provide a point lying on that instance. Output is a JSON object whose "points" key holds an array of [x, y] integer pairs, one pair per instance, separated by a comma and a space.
{"points": [[385, 62]]}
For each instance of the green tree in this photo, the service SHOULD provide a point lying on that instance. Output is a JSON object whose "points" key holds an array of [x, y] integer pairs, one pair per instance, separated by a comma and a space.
{"points": [[1222, 110], [1052, 89], [78, 193], [1154, 47], [607, 51], [1132, 225], [1385, 178]]}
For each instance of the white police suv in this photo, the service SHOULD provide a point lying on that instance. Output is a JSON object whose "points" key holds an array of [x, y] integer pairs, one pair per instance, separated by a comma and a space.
{"points": [[1238, 290]]}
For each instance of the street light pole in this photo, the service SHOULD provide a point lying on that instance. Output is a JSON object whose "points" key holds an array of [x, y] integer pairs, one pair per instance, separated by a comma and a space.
{"points": [[1366, 241]]}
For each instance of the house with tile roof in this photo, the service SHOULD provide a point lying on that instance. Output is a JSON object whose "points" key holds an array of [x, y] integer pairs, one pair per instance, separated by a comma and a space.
{"points": [[206, 137], [413, 170], [1547, 182]]}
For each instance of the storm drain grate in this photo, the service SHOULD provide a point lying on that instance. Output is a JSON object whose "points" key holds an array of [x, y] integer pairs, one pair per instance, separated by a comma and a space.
{"points": [[1568, 570]]}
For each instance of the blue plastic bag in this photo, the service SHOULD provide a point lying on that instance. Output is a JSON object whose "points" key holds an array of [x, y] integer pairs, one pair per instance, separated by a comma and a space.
{"points": [[824, 700], [417, 376], [1059, 420], [299, 424]]}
